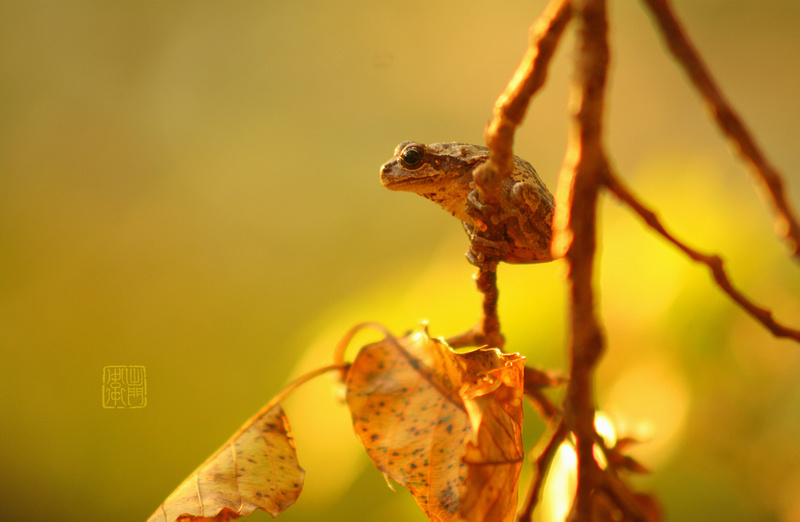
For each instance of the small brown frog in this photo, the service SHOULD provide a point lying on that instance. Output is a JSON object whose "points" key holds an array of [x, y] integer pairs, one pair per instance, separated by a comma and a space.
{"points": [[442, 172]]}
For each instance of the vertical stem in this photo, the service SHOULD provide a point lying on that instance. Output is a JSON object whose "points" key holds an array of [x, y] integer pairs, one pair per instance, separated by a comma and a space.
{"points": [[486, 281], [581, 177]]}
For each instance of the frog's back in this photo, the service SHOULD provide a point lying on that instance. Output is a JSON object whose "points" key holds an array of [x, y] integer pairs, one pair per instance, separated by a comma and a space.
{"points": [[463, 151]]}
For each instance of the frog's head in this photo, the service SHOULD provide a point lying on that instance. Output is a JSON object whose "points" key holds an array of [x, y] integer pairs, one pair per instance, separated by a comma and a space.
{"points": [[441, 172]]}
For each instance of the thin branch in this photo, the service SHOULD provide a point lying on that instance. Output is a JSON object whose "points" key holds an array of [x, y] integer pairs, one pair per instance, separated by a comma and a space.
{"points": [[486, 281], [536, 379], [511, 105], [728, 120], [341, 346], [341, 366], [487, 332], [581, 178], [712, 261], [509, 111]]}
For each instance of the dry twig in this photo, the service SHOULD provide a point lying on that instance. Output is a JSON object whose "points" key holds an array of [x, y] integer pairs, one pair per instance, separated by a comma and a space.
{"points": [[511, 105], [487, 332], [535, 380], [581, 177], [728, 121], [713, 262], [486, 281], [509, 111]]}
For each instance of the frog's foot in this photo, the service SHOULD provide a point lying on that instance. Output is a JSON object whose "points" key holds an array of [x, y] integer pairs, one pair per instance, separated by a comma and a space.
{"points": [[483, 250], [477, 210], [474, 204], [487, 215]]}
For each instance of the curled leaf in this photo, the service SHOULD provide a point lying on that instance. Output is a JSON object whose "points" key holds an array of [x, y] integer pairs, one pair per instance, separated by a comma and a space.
{"points": [[446, 425], [256, 469], [495, 454]]}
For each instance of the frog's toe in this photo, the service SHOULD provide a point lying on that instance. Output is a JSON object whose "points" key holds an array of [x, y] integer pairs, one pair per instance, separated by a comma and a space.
{"points": [[482, 250]]}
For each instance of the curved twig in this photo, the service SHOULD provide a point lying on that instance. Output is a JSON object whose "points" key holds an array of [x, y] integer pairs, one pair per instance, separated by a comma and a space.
{"points": [[728, 121], [511, 105], [712, 261], [509, 111], [344, 342]]}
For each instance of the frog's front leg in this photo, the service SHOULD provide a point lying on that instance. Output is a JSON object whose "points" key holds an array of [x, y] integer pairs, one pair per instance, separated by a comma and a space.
{"points": [[482, 249], [529, 221], [485, 245]]}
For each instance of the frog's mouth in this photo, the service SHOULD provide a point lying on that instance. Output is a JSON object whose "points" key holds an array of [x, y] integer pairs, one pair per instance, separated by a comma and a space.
{"points": [[394, 181]]}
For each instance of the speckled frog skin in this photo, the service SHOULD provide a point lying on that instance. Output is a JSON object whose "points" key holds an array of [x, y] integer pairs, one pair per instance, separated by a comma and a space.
{"points": [[442, 173]]}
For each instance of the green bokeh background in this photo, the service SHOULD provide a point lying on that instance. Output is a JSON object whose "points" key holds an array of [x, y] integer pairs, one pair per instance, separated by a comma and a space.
{"points": [[192, 187]]}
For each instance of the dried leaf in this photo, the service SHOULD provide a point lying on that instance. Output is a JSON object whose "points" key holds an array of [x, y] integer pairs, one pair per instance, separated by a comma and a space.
{"points": [[495, 454], [256, 469], [420, 408]]}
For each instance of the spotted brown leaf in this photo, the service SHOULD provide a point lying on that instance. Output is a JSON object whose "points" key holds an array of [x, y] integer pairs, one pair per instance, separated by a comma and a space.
{"points": [[256, 469], [446, 425]]}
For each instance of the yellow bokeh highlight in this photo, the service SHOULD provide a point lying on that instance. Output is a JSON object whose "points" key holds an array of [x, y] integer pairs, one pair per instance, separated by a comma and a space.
{"points": [[650, 402], [559, 490]]}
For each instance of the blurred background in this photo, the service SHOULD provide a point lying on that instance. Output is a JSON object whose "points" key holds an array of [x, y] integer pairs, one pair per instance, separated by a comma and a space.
{"points": [[193, 187]]}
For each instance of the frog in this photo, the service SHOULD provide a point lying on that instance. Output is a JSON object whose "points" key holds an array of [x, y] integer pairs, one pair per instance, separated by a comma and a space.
{"points": [[442, 173]]}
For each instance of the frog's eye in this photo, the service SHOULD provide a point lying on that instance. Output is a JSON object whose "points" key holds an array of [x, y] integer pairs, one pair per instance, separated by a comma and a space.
{"points": [[412, 157]]}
